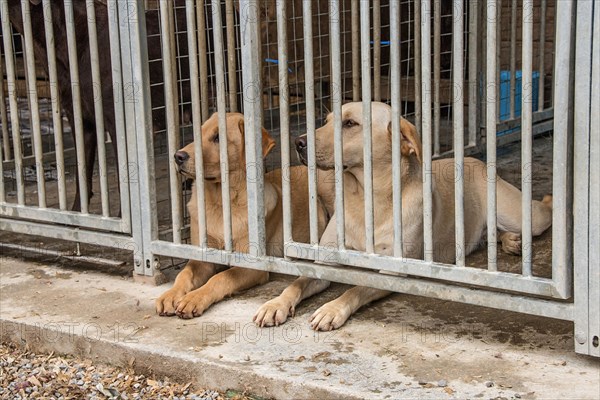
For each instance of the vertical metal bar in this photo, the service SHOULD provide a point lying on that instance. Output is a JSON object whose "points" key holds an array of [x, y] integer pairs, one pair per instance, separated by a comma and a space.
{"points": [[56, 108], [166, 27], [563, 103], [490, 125], [33, 104], [120, 129], [336, 101], [426, 129], [98, 106], [231, 53], [140, 147], [4, 117], [284, 114], [365, 47], [12, 98], [473, 72], [542, 59], [437, 33], [2, 193], [76, 95], [203, 57], [222, 110], [498, 50], [355, 49], [196, 119], [251, 74], [417, 61], [513, 57], [377, 50], [309, 77], [396, 134], [526, 134], [458, 122]]}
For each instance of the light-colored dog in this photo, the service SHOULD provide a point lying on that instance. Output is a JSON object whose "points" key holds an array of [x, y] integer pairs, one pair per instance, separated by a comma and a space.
{"points": [[198, 286], [333, 314]]}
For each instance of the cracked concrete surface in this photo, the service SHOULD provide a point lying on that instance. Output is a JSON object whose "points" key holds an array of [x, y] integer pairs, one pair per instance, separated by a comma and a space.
{"points": [[401, 347]]}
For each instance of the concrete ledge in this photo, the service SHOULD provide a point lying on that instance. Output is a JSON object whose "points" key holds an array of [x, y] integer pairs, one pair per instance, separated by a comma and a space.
{"points": [[403, 347]]}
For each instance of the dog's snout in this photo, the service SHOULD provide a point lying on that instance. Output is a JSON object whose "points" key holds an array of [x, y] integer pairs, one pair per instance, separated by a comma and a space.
{"points": [[301, 143], [181, 157]]}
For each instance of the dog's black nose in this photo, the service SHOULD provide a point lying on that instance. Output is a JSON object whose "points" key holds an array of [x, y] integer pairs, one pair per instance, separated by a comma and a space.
{"points": [[181, 157], [301, 143]]}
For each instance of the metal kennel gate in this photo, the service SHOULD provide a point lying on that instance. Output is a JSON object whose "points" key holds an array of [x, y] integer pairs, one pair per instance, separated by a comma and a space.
{"points": [[139, 225]]}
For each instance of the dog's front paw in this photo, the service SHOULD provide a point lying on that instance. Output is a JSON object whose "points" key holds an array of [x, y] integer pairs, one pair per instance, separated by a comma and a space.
{"points": [[193, 304], [330, 316], [273, 313], [511, 243], [166, 304]]}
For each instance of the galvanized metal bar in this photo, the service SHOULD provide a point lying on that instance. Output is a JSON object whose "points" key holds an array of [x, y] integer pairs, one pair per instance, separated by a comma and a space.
{"points": [[4, 117], [12, 99], [448, 272], [542, 58], [563, 101], [123, 242], [57, 125], [474, 84], [196, 120], [407, 285], [396, 134], [120, 128], [222, 116], [309, 78], [437, 33], [251, 74], [458, 127], [355, 18], [584, 265], [513, 56], [377, 50], [365, 47], [203, 57], [426, 129], [417, 64], [526, 135], [98, 106], [231, 55], [498, 50], [336, 105], [61, 217], [77, 112], [284, 118], [36, 131], [166, 28], [490, 126], [2, 192], [140, 146]]}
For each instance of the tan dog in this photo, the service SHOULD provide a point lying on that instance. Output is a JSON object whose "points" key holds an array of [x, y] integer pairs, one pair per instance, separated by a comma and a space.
{"points": [[197, 287], [333, 314]]}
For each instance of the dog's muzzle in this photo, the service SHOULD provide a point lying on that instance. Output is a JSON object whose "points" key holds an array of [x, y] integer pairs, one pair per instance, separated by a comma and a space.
{"points": [[301, 148]]}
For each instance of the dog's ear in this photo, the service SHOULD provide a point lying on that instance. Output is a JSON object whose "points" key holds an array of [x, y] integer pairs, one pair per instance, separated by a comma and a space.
{"points": [[267, 141], [411, 144]]}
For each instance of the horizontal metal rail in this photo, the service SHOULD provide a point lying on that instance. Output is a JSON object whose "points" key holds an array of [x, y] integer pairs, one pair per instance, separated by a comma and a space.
{"points": [[417, 287]]}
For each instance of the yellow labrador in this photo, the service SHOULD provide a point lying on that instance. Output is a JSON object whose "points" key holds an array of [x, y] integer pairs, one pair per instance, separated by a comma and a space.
{"points": [[335, 313], [198, 286]]}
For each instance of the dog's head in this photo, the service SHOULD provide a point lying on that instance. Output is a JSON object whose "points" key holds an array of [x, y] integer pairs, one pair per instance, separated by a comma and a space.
{"points": [[352, 137], [211, 156]]}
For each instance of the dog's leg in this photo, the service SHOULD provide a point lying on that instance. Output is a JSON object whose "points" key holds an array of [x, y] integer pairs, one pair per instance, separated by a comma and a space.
{"points": [[217, 288], [511, 242], [277, 310], [335, 313], [194, 275]]}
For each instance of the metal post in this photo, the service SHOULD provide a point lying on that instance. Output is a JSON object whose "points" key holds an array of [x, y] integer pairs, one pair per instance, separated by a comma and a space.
{"points": [[251, 74], [231, 55], [4, 117], [426, 130], [396, 134], [458, 126], [526, 135], [474, 96], [365, 47], [203, 57], [437, 33]]}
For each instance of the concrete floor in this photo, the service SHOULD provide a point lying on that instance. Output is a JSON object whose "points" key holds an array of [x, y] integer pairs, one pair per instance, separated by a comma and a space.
{"points": [[402, 347]]}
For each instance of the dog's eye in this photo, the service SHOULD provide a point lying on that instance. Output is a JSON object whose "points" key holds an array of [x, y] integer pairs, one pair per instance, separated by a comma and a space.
{"points": [[215, 139], [349, 123]]}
